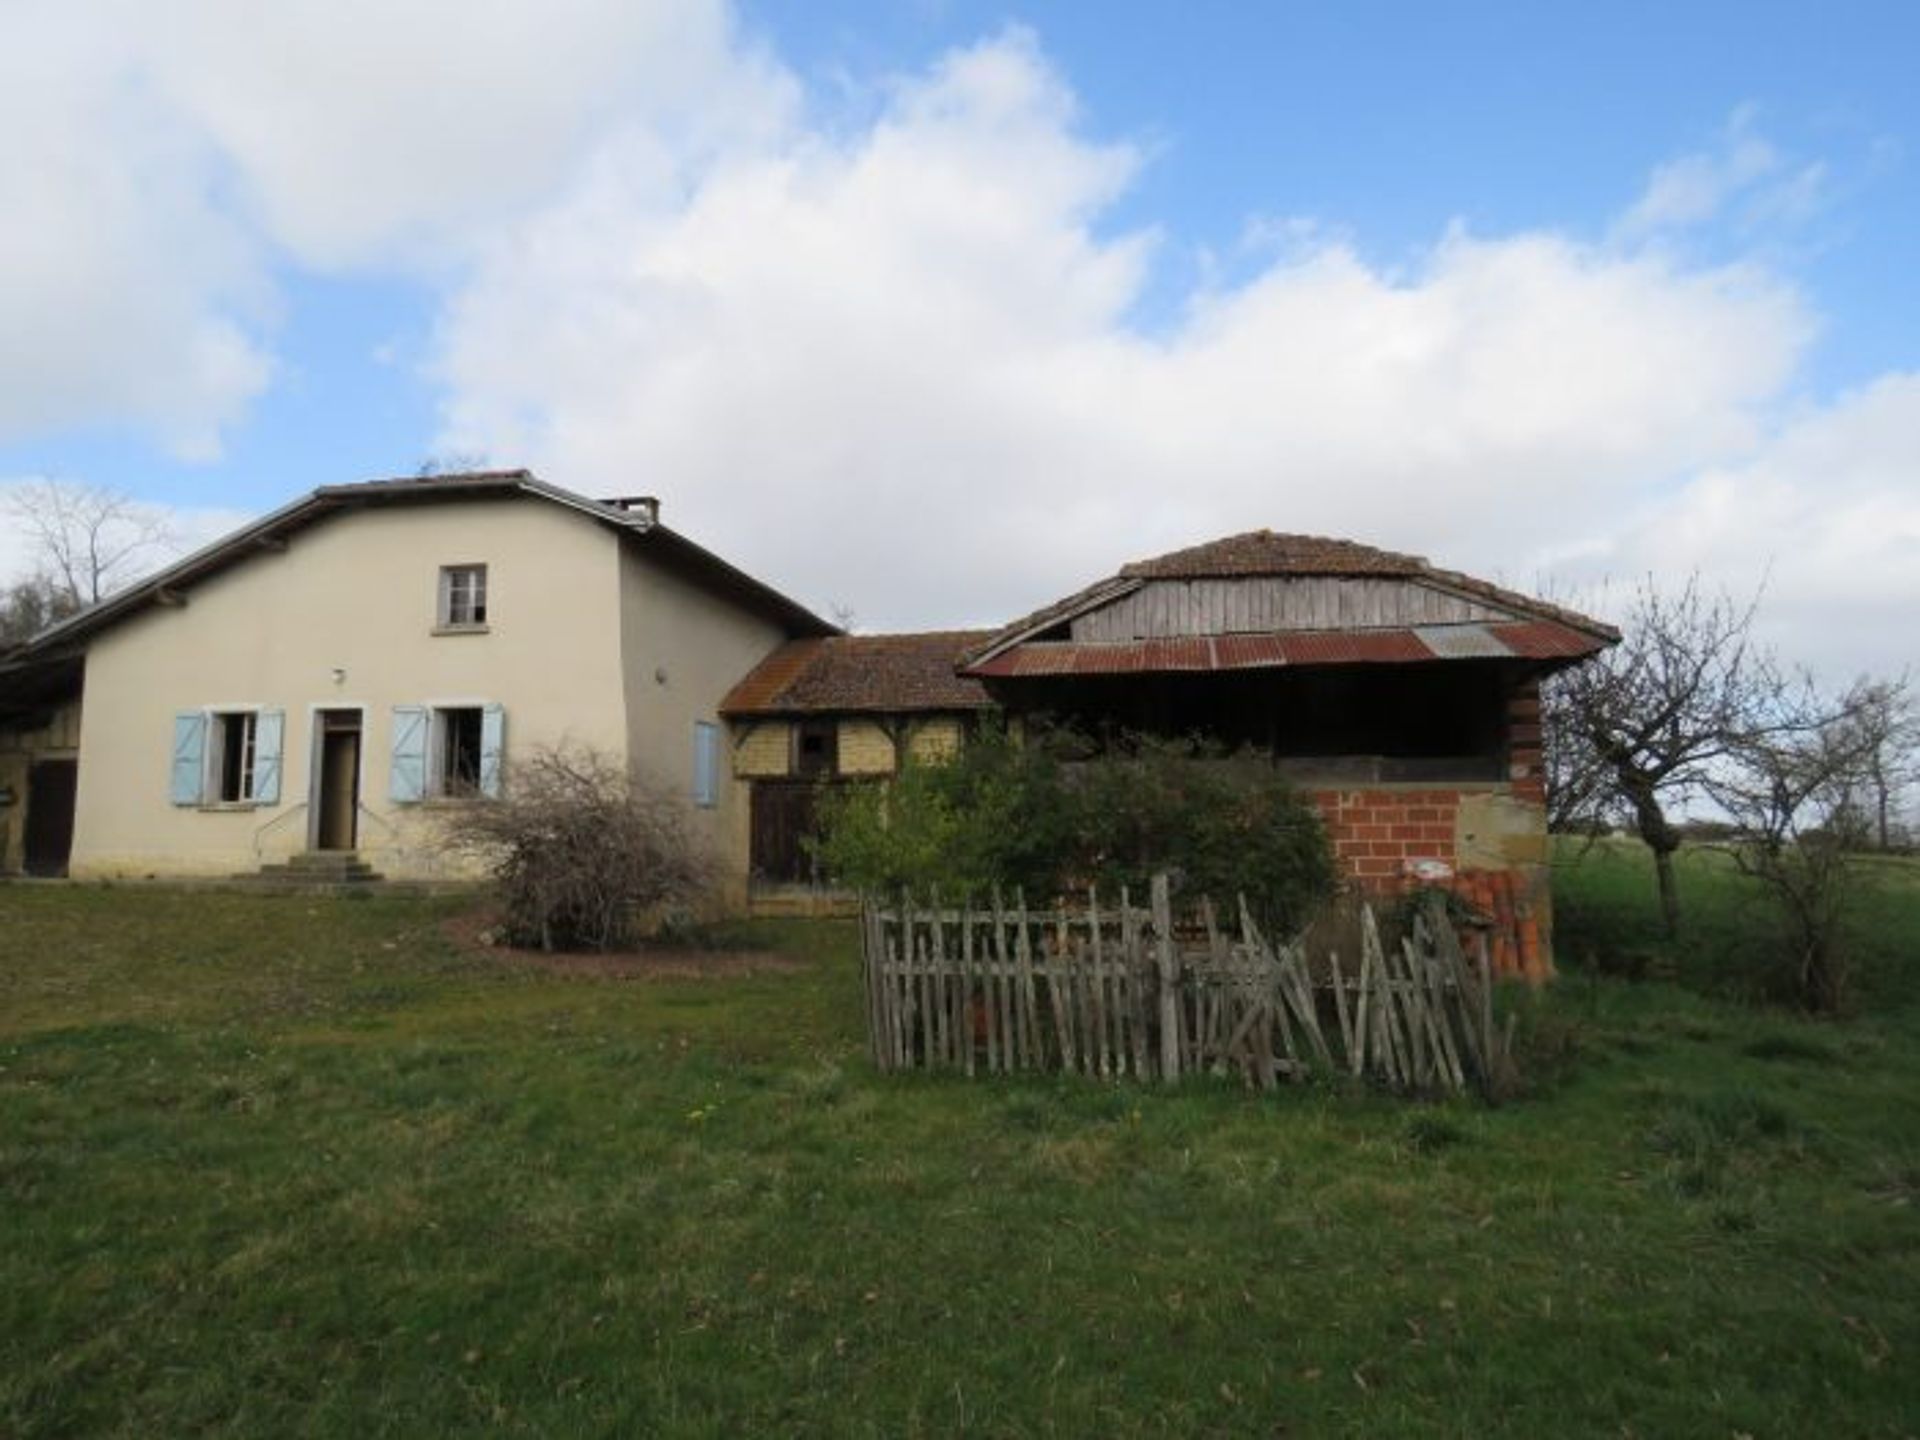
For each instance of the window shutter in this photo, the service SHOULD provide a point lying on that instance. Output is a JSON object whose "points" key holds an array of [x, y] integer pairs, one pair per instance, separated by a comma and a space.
{"points": [[407, 762], [706, 763], [189, 756], [493, 735], [268, 728]]}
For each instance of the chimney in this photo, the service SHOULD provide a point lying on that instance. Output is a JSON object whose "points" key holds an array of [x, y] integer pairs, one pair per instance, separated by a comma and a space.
{"points": [[647, 507]]}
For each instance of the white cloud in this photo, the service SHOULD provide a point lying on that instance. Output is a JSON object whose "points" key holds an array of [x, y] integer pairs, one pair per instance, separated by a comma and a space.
{"points": [[1827, 517], [128, 295], [893, 362], [1743, 177], [160, 162], [896, 368]]}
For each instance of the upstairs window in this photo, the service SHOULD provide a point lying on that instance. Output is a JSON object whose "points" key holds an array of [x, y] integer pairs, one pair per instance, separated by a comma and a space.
{"points": [[463, 597]]}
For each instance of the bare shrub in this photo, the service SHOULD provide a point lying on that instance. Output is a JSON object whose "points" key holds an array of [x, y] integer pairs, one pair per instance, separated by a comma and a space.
{"points": [[580, 850]]}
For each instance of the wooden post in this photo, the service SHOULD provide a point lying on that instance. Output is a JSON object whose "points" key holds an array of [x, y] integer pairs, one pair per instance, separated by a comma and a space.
{"points": [[1002, 1001], [967, 977], [1059, 973], [1169, 980], [1029, 1002]]}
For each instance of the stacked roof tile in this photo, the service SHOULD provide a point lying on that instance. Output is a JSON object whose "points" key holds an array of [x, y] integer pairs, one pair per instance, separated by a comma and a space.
{"points": [[850, 674]]}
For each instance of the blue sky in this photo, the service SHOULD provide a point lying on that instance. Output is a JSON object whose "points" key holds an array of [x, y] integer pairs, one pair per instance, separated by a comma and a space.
{"points": [[822, 272]]}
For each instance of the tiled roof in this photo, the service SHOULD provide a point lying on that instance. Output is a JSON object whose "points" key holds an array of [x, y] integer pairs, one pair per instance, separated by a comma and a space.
{"points": [[640, 526], [1269, 552], [871, 674]]}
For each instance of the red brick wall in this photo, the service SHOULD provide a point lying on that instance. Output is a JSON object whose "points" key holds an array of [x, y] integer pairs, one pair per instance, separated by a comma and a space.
{"points": [[1377, 834], [1381, 836]]}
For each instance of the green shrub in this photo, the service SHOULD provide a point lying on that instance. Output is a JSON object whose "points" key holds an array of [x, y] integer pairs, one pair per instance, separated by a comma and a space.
{"points": [[1053, 813]]}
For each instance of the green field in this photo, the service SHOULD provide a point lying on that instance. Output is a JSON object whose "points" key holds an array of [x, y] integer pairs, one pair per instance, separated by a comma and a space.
{"points": [[278, 1166]]}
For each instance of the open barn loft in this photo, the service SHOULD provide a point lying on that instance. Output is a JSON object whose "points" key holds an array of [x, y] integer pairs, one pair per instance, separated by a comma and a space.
{"points": [[1341, 660]]}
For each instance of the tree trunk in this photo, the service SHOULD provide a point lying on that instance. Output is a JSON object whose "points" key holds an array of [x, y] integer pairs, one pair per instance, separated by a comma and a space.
{"points": [[1669, 891], [1663, 841]]}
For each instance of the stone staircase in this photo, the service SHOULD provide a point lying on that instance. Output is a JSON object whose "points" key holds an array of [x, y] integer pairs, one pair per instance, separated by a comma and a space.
{"points": [[323, 871]]}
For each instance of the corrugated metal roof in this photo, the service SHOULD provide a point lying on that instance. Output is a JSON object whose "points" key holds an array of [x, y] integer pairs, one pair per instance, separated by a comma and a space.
{"points": [[1544, 640], [1535, 640], [1461, 642]]}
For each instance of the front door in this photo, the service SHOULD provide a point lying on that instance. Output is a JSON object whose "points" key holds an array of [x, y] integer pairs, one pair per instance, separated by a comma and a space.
{"points": [[49, 837], [337, 781]]}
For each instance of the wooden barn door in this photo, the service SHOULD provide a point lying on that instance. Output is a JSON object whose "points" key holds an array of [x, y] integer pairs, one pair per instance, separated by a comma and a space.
{"points": [[783, 821], [49, 837]]}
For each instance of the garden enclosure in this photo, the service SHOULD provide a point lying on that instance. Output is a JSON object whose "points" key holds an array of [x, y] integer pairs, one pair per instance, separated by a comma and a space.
{"points": [[1123, 990]]}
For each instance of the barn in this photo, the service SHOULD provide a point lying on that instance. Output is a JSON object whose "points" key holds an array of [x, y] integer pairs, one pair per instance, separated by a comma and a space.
{"points": [[1401, 697]]}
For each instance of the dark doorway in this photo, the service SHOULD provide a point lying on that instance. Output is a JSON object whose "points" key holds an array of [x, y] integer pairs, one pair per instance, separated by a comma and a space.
{"points": [[49, 838], [783, 821], [337, 781]]}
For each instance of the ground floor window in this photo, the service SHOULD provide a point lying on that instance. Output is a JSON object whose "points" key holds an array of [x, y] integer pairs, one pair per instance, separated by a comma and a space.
{"points": [[456, 735], [227, 757], [446, 751], [234, 738]]}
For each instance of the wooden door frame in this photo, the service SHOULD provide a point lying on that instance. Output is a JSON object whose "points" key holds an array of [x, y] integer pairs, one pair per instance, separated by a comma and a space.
{"points": [[316, 753]]}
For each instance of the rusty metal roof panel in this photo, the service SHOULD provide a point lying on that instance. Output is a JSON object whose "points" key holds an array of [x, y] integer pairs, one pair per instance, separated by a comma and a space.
{"points": [[1355, 647], [1095, 659], [1249, 652], [1533, 640], [1186, 653], [1462, 642], [1546, 640]]}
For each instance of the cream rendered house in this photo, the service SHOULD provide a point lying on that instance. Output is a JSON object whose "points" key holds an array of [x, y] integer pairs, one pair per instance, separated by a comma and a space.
{"points": [[331, 677]]}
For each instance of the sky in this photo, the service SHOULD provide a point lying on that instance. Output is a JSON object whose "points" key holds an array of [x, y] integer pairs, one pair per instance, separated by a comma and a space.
{"points": [[932, 311]]}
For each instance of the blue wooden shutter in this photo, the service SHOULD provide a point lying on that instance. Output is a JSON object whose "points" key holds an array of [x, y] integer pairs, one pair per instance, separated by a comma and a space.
{"points": [[189, 756], [407, 761], [269, 726], [493, 735], [706, 763]]}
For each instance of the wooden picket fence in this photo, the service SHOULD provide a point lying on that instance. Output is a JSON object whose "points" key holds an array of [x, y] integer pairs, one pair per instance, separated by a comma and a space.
{"points": [[1119, 990]]}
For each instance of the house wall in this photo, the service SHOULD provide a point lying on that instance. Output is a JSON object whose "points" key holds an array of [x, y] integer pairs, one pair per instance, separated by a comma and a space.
{"points": [[683, 648], [58, 739], [357, 592]]}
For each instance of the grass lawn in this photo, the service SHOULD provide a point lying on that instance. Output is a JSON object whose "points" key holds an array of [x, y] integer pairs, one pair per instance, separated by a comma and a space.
{"points": [[277, 1166]]}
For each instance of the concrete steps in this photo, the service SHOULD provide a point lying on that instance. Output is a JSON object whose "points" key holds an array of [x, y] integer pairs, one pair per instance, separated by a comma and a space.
{"points": [[325, 871]]}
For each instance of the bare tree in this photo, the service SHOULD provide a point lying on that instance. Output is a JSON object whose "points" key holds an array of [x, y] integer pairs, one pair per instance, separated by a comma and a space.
{"points": [[1794, 798], [1633, 733], [89, 541], [1883, 730]]}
